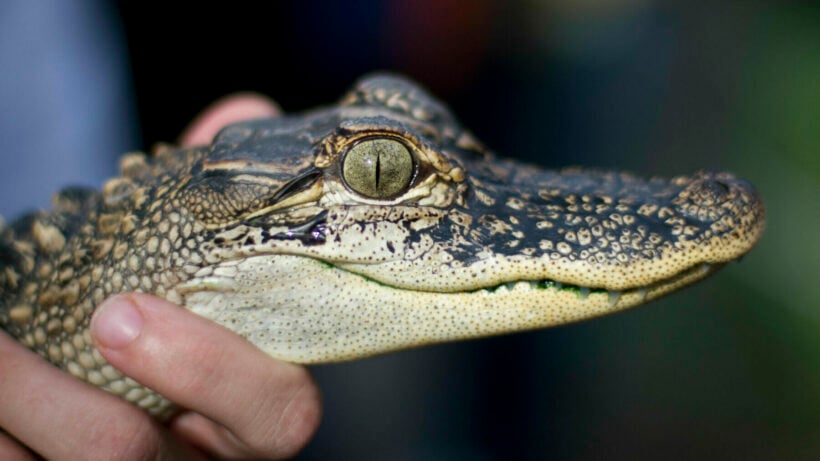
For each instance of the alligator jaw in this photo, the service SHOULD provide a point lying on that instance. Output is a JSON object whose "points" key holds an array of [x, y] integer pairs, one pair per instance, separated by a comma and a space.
{"points": [[306, 311]]}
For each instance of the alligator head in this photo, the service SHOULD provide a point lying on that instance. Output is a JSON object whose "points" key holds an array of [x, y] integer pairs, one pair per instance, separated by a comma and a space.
{"points": [[381, 224], [370, 226]]}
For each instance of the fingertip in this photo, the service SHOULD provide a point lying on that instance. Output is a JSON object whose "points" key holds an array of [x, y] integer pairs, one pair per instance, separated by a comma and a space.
{"points": [[124, 325], [117, 322], [230, 109]]}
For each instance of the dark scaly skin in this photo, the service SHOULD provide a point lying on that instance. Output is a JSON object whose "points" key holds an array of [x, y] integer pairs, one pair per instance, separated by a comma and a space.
{"points": [[264, 232]]}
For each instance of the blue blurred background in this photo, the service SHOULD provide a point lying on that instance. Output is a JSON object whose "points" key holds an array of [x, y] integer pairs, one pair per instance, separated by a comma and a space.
{"points": [[728, 369]]}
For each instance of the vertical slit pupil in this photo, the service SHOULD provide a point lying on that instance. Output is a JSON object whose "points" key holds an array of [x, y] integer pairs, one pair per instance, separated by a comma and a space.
{"points": [[378, 168]]}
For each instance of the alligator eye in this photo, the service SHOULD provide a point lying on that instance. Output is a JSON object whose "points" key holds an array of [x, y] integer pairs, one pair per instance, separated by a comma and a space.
{"points": [[378, 168]]}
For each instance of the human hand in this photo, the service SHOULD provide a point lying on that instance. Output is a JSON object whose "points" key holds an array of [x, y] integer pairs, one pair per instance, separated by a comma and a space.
{"points": [[237, 401]]}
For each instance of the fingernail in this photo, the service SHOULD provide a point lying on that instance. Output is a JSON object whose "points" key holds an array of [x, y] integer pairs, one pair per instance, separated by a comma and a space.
{"points": [[116, 323]]}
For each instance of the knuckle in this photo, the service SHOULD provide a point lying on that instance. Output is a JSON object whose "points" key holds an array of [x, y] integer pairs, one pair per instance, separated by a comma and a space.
{"points": [[11, 449], [286, 430], [198, 370], [300, 422], [125, 439]]}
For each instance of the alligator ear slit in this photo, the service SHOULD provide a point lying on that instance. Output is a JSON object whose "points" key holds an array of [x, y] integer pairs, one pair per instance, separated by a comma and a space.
{"points": [[297, 184]]}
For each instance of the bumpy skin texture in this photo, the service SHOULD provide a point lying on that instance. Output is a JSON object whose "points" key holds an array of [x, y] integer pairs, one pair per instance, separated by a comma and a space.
{"points": [[422, 236]]}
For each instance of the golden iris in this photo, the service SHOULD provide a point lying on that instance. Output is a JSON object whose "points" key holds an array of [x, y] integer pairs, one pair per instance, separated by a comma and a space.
{"points": [[378, 168]]}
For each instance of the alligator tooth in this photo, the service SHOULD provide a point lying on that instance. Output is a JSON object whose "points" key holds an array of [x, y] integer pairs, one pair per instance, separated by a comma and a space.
{"points": [[559, 285], [613, 297], [706, 267], [642, 294], [584, 292], [510, 285]]}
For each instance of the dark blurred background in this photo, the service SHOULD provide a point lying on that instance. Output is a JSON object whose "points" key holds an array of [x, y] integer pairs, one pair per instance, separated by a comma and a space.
{"points": [[728, 369]]}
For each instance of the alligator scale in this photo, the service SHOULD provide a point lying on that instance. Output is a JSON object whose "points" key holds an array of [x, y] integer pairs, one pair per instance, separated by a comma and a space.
{"points": [[373, 225]]}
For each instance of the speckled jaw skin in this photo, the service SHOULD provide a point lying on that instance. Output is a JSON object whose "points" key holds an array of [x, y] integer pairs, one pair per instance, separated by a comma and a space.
{"points": [[373, 225], [373, 317]]}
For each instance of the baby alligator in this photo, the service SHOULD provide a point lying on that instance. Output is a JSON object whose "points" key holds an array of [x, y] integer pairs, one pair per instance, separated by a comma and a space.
{"points": [[373, 225]]}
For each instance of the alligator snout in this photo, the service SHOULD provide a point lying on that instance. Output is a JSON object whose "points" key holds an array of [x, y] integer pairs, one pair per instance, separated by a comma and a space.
{"points": [[711, 196]]}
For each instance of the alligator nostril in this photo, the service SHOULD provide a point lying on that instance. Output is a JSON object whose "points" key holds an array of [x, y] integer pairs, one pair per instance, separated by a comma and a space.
{"points": [[704, 197], [714, 190]]}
